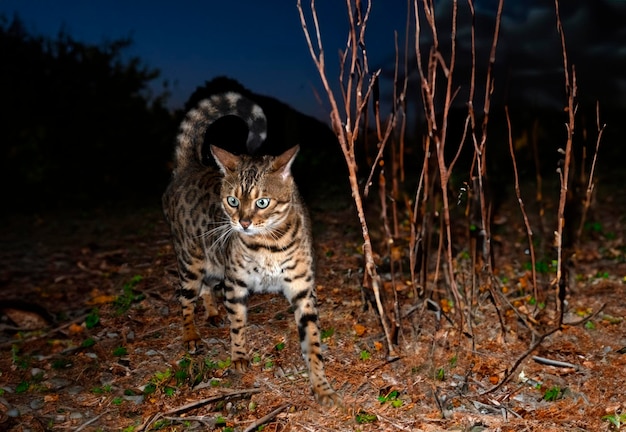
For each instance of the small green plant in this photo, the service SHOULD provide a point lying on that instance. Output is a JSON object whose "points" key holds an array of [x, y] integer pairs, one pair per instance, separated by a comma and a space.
{"points": [[440, 374], [589, 325], [328, 333], [21, 361], [61, 363], [617, 420], [224, 364], [552, 394], [602, 275], [120, 351], [158, 382], [453, 361], [93, 319], [392, 398], [280, 346], [117, 401], [102, 389], [130, 428], [365, 417], [89, 342], [129, 296], [365, 355], [22, 387]]}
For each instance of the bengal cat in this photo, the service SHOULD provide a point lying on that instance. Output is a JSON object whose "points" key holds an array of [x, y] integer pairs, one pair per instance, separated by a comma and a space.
{"points": [[242, 227]]}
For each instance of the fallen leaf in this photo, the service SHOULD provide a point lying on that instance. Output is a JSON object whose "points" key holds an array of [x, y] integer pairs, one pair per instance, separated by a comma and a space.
{"points": [[76, 328], [359, 329]]}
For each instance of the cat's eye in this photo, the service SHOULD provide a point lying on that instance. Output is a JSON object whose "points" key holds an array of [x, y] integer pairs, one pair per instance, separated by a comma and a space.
{"points": [[262, 203], [232, 201]]}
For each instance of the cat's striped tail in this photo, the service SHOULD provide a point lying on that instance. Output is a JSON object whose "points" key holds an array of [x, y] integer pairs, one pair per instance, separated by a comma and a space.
{"points": [[193, 128]]}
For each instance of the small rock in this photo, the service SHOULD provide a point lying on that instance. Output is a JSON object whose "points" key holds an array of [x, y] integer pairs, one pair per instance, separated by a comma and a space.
{"points": [[36, 372], [76, 415], [138, 399], [74, 390], [56, 383], [37, 404]]}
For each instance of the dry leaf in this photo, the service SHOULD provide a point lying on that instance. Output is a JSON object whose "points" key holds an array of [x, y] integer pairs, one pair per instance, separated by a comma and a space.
{"points": [[359, 329]]}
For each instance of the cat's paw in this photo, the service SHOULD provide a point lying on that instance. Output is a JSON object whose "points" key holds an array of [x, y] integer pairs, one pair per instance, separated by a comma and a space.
{"points": [[240, 365], [194, 346], [329, 399], [193, 341]]}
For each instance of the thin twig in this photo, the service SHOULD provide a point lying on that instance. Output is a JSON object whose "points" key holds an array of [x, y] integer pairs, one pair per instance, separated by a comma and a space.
{"points": [[255, 424], [556, 363], [205, 401], [518, 193], [48, 333], [87, 423]]}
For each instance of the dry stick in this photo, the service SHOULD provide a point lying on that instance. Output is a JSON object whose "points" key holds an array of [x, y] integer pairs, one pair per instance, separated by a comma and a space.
{"points": [[438, 134], [347, 137], [205, 401], [534, 346], [518, 194], [570, 89], [590, 185], [46, 334], [195, 404], [255, 424], [87, 423]]}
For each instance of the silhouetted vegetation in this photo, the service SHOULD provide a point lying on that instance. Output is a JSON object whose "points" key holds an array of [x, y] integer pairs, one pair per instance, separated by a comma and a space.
{"points": [[78, 122]]}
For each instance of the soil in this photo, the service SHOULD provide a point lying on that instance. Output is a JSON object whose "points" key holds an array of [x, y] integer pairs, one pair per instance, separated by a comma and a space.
{"points": [[91, 337]]}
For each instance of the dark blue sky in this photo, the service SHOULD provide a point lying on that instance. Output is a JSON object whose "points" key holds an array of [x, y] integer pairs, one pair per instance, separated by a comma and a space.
{"points": [[261, 43]]}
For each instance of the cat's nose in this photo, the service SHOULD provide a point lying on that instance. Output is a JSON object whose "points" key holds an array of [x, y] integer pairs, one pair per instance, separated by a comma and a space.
{"points": [[245, 223]]}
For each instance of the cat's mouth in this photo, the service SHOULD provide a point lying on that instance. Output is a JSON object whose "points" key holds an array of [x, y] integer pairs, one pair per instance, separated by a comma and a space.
{"points": [[247, 229]]}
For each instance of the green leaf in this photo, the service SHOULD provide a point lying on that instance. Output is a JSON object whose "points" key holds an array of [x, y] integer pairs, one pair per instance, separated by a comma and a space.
{"points": [[89, 342], [120, 351], [364, 417], [22, 387], [93, 319], [552, 394]]}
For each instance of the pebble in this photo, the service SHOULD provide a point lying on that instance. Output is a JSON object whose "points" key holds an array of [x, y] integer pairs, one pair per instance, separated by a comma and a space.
{"points": [[74, 390], [35, 372], [76, 415], [138, 399], [37, 404], [56, 383]]}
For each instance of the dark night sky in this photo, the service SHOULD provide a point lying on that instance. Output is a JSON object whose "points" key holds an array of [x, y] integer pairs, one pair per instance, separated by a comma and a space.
{"points": [[262, 45]]}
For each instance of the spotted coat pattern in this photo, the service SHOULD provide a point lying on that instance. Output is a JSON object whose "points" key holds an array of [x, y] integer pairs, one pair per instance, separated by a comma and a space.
{"points": [[244, 228]]}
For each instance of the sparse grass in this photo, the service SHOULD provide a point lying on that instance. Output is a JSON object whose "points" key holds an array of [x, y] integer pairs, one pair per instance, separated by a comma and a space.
{"points": [[616, 420], [129, 296]]}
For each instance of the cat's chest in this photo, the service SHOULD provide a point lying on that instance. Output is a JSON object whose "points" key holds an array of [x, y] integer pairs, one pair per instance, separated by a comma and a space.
{"points": [[264, 272]]}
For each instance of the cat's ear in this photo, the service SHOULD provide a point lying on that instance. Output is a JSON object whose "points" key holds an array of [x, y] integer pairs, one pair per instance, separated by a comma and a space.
{"points": [[282, 163], [225, 160]]}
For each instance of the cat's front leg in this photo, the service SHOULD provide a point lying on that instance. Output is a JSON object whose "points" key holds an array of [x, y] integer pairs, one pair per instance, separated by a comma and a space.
{"points": [[306, 315], [236, 304]]}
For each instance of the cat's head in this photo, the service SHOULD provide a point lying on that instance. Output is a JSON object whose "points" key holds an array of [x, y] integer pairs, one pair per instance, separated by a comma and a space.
{"points": [[257, 192]]}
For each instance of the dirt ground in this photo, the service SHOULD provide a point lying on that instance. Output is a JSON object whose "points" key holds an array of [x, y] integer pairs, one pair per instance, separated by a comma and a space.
{"points": [[91, 338]]}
